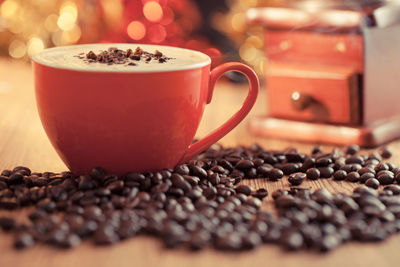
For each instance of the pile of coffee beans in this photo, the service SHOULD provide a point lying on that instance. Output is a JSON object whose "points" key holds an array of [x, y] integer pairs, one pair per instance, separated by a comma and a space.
{"points": [[114, 55], [204, 204]]}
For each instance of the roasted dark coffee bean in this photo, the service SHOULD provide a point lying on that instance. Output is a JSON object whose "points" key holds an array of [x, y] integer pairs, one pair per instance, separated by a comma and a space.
{"points": [[394, 188], [366, 176], [366, 170], [9, 203], [316, 150], [260, 193], [251, 173], [381, 167], [22, 170], [258, 162], [322, 162], [182, 169], [313, 173], [326, 172], [23, 240], [210, 192], [86, 183], [340, 175], [6, 173], [385, 152], [15, 178], [7, 223], [214, 178], [353, 177], [351, 150], [116, 187], [385, 179], [255, 202], [297, 178], [3, 185], [198, 171], [387, 172], [291, 240], [98, 173], [275, 174], [244, 164], [262, 171], [372, 182], [294, 157], [289, 168], [355, 160], [105, 234], [244, 189]]}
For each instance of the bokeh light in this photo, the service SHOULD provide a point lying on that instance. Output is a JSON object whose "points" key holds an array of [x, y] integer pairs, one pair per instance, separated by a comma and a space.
{"points": [[9, 8], [157, 33], [136, 30], [68, 16], [152, 11], [35, 45], [50, 23], [17, 49]]}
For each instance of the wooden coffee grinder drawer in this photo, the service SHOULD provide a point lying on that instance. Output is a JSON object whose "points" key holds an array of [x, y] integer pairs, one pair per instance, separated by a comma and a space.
{"points": [[313, 93]]}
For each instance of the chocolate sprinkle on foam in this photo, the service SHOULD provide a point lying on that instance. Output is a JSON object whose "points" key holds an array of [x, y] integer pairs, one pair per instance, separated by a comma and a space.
{"points": [[129, 57]]}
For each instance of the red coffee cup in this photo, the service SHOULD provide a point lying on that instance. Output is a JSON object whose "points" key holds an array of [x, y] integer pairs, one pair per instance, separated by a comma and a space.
{"points": [[130, 120]]}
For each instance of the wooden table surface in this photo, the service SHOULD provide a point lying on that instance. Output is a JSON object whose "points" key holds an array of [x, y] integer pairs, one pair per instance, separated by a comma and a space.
{"points": [[23, 142]]}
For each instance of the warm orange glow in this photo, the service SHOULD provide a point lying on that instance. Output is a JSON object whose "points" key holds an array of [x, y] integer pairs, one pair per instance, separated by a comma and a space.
{"points": [[153, 11], [168, 16], [157, 33], [136, 30]]}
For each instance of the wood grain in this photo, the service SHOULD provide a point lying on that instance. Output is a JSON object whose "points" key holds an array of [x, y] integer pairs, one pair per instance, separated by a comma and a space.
{"points": [[23, 142]]}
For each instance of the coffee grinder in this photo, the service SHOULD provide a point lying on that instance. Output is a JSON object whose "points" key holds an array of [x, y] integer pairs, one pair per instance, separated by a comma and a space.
{"points": [[333, 71]]}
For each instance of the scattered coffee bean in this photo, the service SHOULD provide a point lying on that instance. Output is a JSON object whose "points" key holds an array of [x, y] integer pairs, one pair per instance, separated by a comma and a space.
{"points": [[201, 204], [340, 175], [385, 152], [297, 178], [353, 177], [372, 182]]}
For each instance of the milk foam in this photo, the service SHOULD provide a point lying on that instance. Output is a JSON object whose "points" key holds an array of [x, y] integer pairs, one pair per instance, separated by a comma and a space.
{"points": [[66, 57]]}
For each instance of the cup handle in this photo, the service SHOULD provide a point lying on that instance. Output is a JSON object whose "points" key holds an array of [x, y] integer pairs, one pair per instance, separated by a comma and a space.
{"points": [[225, 128]]}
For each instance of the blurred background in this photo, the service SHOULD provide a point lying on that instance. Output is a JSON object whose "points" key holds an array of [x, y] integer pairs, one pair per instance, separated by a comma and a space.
{"points": [[217, 28]]}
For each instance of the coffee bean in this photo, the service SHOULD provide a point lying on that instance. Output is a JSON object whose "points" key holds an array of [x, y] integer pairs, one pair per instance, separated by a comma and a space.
{"points": [[275, 174], [394, 188], [340, 175], [105, 234], [23, 240], [351, 150], [9, 203], [385, 179], [289, 168], [366, 176], [244, 189], [364, 170], [182, 169], [86, 183], [372, 182], [313, 173], [7, 223], [116, 186], [385, 152], [291, 240], [260, 193], [297, 178], [355, 160], [353, 177], [381, 167], [326, 172], [244, 164]]}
